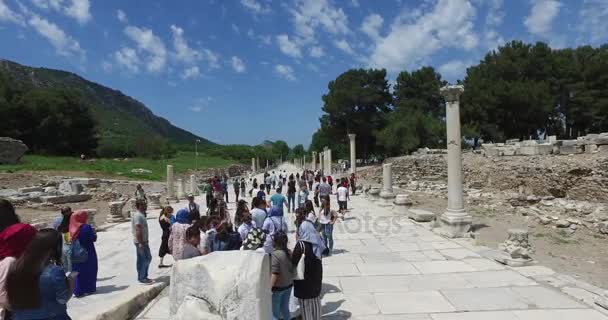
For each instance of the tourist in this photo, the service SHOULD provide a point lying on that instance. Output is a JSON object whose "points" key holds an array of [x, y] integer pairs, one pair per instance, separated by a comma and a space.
{"points": [[309, 211], [316, 196], [208, 192], [302, 196], [343, 197], [258, 213], [165, 221], [194, 210], [255, 241], [291, 194], [273, 180], [36, 285], [225, 239], [330, 181], [177, 238], [13, 242], [225, 189], [281, 279], [8, 216], [353, 182], [254, 185], [244, 187], [298, 176], [311, 178], [267, 183], [273, 224], [241, 210], [62, 224], [284, 177], [261, 195], [327, 218], [278, 200], [218, 191], [308, 290], [236, 185], [247, 225], [140, 194], [81, 231], [324, 190], [139, 228], [210, 232], [193, 239]]}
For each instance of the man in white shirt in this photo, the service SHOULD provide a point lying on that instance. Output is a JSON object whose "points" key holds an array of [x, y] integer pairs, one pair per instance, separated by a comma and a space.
{"points": [[343, 197]]}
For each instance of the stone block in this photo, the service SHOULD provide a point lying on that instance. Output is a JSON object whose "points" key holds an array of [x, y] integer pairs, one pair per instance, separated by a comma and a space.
{"points": [[68, 198], [529, 143], [602, 139], [545, 149], [234, 285], [516, 250], [374, 193], [386, 198], [570, 149], [401, 204], [603, 148], [490, 150], [552, 138], [603, 227], [525, 150], [31, 189], [51, 190], [116, 214], [591, 148], [509, 150], [5, 193], [512, 141], [70, 187], [420, 215], [11, 150], [154, 201], [568, 143]]}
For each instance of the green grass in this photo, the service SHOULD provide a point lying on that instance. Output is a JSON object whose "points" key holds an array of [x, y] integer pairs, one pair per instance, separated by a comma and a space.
{"points": [[182, 162]]}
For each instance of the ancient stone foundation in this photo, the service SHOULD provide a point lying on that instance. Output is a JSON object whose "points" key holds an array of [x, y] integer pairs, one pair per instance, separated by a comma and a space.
{"points": [[116, 214], [515, 252], [154, 200], [229, 285]]}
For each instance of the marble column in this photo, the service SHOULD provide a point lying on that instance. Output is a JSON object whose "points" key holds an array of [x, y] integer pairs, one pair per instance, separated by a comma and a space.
{"points": [[252, 164], [329, 169], [267, 164], [304, 161], [314, 161], [386, 195], [181, 193], [353, 153], [193, 188], [257, 164], [322, 162], [455, 222], [170, 183]]}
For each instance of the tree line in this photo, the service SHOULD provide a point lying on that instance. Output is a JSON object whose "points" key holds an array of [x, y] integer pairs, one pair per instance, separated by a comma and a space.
{"points": [[519, 90]]}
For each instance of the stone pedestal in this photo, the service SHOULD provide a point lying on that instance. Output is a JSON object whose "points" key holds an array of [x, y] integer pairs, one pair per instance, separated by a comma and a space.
{"points": [[193, 188], [455, 222], [515, 252], [116, 214], [170, 183], [353, 153], [154, 200], [374, 194], [419, 215], [401, 204], [181, 189]]}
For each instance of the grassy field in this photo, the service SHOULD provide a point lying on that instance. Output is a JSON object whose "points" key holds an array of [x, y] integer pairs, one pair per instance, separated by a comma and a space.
{"points": [[182, 162]]}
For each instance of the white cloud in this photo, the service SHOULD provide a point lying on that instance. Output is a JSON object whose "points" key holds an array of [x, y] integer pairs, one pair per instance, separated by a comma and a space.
{"points": [[541, 17], [150, 44], [121, 16], [183, 52], [212, 58], [263, 39], [238, 65], [128, 59], [8, 15], [288, 47], [412, 39], [285, 72], [64, 44], [354, 3], [191, 73], [371, 25], [454, 69], [344, 46], [316, 52], [255, 6], [106, 66], [309, 15], [196, 109], [494, 18], [77, 9], [594, 20]]}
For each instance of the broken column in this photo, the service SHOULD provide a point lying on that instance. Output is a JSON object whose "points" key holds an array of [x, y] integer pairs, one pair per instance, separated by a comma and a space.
{"points": [[353, 153], [193, 188], [387, 195], [516, 250], [304, 161], [401, 204], [374, 193], [181, 186], [455, 222], [170, 183], [154, 200], [116, 214]]}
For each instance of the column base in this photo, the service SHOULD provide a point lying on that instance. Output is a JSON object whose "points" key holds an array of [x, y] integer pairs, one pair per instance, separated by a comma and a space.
{"points": [[506, 259], [455, 225], [386, 199]]}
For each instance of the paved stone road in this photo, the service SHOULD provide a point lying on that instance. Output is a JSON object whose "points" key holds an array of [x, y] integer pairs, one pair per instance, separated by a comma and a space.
{"points": [[387, 267]]}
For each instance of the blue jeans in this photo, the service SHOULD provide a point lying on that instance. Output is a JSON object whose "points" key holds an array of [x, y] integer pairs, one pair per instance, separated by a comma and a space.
{"points": [[280, 304], [328, 236], [291, 204], [144, 257]]}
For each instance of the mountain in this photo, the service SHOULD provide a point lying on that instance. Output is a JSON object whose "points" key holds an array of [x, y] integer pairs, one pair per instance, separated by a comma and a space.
{"points": [[119, 117]]}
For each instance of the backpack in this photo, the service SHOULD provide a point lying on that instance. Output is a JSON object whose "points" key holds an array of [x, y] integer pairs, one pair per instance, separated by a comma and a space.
{"points": [[79, 254]]}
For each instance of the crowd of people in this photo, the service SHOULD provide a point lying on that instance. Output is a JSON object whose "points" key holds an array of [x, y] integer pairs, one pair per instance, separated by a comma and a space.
{"points": [[41, 270]]}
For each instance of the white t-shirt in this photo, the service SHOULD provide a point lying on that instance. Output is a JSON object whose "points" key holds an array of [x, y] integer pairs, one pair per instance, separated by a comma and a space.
{"points": [[342, 194], [325, 219]]}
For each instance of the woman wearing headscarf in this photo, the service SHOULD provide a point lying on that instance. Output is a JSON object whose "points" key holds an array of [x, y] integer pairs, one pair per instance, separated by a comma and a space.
{"points": [[308, 291], [13, 242], [273, 224], [177, 239], [86, 279]]}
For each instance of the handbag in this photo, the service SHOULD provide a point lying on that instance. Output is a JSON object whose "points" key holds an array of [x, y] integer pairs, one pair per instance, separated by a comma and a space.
{"points": [[79, 253], [301, 267]]}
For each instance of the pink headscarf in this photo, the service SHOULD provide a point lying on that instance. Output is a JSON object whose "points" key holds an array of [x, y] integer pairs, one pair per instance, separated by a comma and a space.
{"points": [[15, 239], [77, 219]]}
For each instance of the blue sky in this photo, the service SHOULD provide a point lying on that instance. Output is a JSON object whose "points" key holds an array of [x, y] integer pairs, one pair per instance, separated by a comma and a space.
{"points": [[243, 71]]}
